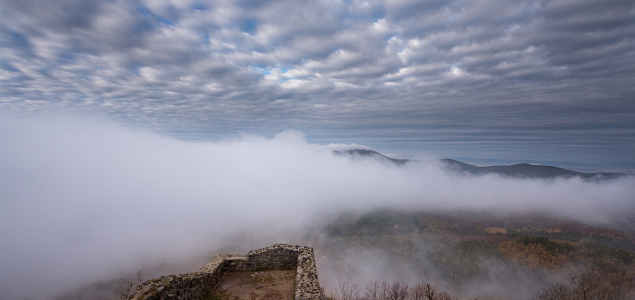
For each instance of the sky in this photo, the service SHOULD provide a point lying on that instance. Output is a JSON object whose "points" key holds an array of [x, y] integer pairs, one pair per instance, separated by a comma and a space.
{"points": [[546, 81]]}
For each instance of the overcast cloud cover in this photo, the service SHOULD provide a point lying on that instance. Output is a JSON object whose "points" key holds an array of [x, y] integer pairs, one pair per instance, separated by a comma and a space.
{"points": [[541, 80]]}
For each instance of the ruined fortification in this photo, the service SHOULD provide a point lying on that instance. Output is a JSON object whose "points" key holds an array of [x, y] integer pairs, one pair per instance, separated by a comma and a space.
{"points": [[193, 286]]}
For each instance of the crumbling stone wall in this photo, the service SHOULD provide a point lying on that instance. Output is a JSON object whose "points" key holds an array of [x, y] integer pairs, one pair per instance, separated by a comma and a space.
{"points": [[277, 257], [193, 286], [307, 285]]}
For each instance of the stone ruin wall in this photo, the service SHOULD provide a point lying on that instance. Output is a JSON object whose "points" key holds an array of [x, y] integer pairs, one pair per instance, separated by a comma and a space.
{"points": [[193, 286]]}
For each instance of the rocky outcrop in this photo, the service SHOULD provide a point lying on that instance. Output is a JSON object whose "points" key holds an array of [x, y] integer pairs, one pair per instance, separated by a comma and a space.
{"points": [[193, 286]]}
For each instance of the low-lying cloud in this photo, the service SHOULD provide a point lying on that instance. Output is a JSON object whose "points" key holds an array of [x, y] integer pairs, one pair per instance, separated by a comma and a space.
{"points": [[83, 199]]}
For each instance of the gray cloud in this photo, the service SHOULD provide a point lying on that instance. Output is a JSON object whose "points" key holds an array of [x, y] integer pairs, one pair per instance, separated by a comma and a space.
{"points": [[551, 73]]}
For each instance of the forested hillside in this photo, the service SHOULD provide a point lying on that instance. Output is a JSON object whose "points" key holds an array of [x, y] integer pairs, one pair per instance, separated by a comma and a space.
{"points": [[479, 256]]}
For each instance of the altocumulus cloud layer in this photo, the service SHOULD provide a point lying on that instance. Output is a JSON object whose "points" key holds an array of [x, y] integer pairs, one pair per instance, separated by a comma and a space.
{"points": [[84, 199], [542, 80]]}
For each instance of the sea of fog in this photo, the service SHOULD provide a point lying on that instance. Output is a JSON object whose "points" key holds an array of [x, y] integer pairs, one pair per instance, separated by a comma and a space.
{"points": [[82, 199]]}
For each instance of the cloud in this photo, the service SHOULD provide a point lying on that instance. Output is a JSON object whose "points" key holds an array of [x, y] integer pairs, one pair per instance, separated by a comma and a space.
{"points": [[361, 260], [85, 198], [189, 68]]}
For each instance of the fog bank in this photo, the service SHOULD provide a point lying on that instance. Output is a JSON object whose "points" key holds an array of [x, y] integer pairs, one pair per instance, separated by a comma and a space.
{"points": [[82, 199]]}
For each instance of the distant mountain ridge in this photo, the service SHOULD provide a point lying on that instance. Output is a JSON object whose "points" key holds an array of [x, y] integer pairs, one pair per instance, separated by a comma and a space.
{"points": [[522, 170], [525, 170], [373, 154]]}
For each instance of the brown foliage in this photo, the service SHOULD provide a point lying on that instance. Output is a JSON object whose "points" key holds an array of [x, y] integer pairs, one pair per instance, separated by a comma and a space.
{"points": [[533, 255]]}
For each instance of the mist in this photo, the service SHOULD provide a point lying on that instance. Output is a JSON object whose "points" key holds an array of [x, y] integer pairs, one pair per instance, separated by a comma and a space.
{"points": [[84, 198], [496, 278]]}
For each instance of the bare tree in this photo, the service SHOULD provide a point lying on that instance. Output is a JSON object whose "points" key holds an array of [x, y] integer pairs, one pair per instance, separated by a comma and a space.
{"points": [[429, 291], [372, 291], [139, 278], [584, 286], [127, 287], [349, 290], [558, 292], [444, 296], [425, 291], [417, 292], [398, 291], [384, 290]]}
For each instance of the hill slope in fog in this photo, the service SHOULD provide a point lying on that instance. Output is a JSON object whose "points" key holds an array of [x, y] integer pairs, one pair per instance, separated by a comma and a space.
{"points": [[525, 170], [522, 170], [477, 255]]}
